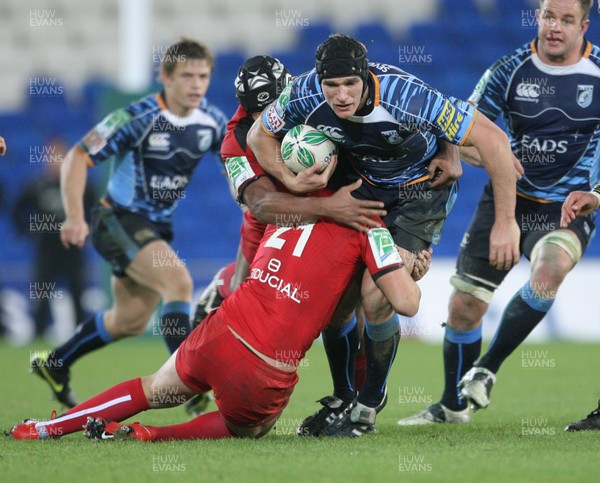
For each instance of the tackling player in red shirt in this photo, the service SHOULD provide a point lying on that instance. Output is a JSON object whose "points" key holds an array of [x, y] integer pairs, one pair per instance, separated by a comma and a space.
{"points": [[248, 349]]}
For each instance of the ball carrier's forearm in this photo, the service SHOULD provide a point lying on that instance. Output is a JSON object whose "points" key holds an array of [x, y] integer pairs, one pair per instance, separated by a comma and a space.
{"points": [[73, 178], [499, 162]]}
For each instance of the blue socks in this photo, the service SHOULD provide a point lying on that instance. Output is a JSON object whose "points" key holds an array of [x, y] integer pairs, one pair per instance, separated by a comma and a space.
{"points": [[520, 317], [341, 346], [461, 350], [174, 323], [381, 345], [90, 335]]}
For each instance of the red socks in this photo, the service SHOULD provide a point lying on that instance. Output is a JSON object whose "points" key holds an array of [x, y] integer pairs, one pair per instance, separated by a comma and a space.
{"points": [[206, 426], [115, 404], [125, 400]]}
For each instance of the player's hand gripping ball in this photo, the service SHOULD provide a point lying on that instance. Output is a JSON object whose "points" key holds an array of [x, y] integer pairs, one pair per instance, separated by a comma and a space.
{"points": [[303, 146]]}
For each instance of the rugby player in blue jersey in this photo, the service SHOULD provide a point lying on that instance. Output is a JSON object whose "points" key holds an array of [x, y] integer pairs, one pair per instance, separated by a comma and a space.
{"points": [[546, 92], [389, 127], [157, 143]]}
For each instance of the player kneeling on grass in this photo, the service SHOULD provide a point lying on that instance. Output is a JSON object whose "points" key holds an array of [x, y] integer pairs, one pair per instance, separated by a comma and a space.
{"points": [[248, 349]]}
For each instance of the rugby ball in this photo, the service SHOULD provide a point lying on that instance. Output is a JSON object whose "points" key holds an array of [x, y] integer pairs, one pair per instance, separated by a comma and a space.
{"points": [[303, 146]]}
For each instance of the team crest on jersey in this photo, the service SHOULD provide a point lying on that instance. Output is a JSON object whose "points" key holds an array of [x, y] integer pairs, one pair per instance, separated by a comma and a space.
{"points": [[204, 137], [584, 95], [392, 136]]}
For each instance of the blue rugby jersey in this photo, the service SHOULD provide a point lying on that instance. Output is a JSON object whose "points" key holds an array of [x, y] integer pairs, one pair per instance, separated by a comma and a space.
{"points": [[393, 144], [552, 115], [155, 152]]}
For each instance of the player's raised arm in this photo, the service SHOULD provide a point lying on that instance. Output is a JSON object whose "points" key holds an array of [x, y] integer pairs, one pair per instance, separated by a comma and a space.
{"points": [[499, 162], [73, 178]]}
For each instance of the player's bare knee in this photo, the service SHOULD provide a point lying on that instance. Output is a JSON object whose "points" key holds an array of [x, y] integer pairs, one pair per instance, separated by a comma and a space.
{"points": [[552, 257], [179, 286], [465, 311], [129, 327], [547, 276], [377, 309], [376, 306]]}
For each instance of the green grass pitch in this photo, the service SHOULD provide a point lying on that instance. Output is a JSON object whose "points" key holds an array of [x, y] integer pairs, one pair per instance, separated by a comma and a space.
{"points": [[519, 437]]}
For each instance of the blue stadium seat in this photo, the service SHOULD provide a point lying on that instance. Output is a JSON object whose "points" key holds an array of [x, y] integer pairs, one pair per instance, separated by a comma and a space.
{"points": [[315, 33], [374, 34], [427, 32]]}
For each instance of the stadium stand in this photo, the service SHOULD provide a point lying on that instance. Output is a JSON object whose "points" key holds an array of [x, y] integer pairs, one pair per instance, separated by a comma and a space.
{"points": [[71, 48]]}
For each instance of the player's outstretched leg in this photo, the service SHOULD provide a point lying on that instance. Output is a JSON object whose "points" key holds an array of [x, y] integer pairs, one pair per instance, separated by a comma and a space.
{"points": [[206, 426], [526, 309], [132, 307], [117, 403], [462, 346], [163, 389]]}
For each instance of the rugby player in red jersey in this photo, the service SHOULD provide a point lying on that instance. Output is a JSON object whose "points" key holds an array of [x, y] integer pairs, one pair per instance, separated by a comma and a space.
{"points": [[248, 349]]}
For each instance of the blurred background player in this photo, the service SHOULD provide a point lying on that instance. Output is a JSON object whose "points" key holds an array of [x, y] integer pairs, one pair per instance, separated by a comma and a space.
{"points": [[392, 131], [545, 92], [54, 263], [2, 146], [158, 142], [582, 203], [249, 348]]}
